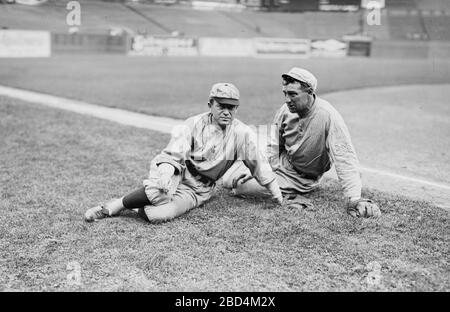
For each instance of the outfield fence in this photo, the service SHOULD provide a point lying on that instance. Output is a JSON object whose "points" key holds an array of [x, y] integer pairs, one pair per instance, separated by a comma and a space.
{"points": [[89, 43], [21, 43]]}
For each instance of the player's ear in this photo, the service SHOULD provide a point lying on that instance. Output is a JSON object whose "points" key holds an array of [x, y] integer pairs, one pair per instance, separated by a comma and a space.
{"points": [[210, 103]]}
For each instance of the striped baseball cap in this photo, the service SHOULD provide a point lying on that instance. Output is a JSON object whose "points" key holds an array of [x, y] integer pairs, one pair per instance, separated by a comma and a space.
{"points": [[225, 93], [302, 75]]}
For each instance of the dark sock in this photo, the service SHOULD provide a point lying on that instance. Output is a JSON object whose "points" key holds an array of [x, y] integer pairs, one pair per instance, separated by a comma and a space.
{"points": [[136, 199]]}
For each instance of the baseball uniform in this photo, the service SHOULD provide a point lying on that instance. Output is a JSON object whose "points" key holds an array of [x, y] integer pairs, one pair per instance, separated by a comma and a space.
{"points": [[303, 149]]}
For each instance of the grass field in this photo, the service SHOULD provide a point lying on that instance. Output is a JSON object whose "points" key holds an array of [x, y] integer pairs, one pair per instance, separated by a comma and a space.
{"points": [[56, 164], [178, 87], [405, 132]]}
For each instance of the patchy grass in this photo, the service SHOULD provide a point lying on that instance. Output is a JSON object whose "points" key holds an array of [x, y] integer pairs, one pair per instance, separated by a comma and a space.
{"points": [[56, 164]]}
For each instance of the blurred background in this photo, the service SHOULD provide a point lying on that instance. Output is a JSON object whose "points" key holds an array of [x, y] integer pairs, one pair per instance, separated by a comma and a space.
{"points": [[413, 28]]}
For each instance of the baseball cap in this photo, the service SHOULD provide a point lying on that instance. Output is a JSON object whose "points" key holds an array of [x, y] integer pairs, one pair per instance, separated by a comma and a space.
{"points": [[225, 93], [302, 75]]}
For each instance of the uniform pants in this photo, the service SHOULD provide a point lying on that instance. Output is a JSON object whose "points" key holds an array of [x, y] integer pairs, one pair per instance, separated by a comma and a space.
{"points": [[288, 179], [180, 203], [185, 193]]}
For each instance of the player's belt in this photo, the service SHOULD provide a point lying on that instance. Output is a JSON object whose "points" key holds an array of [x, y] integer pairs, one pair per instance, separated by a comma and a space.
{"points": [[194, 172], [305, 175]]}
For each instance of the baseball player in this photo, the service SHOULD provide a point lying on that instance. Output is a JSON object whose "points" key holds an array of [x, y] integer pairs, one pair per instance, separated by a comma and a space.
{"points": [[200, 151], [308, 136]]}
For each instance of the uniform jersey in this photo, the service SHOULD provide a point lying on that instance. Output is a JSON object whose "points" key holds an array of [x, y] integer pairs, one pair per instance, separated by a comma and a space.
{"points": [[301, 150], [201, 147]]}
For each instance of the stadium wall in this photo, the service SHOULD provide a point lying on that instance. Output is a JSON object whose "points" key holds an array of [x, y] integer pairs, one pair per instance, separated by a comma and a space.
{"points": [[14, 43], [410, 49], [89, 43]]}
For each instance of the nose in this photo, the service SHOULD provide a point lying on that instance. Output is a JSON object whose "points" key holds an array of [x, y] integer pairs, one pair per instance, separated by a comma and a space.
{"points": [[287, 98], [227, 111]]}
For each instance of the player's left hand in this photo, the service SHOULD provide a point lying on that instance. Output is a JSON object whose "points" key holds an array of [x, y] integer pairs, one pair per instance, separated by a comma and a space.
{"points": [[363, 207], [164, 183]]}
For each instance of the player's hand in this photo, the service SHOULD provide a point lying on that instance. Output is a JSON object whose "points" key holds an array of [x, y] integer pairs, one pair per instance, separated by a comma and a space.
{"points": [[362, 207], [164, 183], [279, 200], [166, 172], [241, 179]]}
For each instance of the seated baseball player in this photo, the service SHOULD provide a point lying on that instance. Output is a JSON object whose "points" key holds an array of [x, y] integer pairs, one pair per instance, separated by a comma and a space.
{"points": [[200, 151], [308, 136]]}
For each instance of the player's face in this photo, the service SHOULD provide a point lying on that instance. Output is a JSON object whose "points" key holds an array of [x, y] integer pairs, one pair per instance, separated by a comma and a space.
{"points": [[296, 99], [223, 114]]}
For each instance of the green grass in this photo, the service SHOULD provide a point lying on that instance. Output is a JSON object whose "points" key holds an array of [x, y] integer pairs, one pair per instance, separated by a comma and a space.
{"points": [[56, 164]]}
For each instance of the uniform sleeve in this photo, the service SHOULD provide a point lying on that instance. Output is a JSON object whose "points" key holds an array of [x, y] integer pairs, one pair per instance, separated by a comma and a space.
{"points": [[253, 157], [275, 143], [178, 149], [343, 155]]}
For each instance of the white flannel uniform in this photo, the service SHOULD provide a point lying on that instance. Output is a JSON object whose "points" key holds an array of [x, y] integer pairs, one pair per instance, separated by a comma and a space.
{"points": [[201, 152], [301, 150]]}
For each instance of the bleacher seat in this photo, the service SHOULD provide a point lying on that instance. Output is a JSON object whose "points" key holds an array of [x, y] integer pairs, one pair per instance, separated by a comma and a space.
{"points": [[437, 27], [401, 4], [405, 26], [437, 5]]}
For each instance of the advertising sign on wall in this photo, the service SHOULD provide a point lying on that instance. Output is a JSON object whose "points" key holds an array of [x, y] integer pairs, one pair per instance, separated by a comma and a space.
{"points": [[282, 47], [163, 45], [358, 45], [328, 48], [339, 5], [25, 43], [226, 46]]}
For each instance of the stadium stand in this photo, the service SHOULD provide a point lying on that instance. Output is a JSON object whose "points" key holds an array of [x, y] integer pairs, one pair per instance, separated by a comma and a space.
{"points": [[401, 20], [315, 25], [193, 22], [433, 5], [406, 26], [96, 17], [437, 26], [401, 4]]}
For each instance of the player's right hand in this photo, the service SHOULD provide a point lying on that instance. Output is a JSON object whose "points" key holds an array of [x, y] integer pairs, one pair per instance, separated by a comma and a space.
{"points": [[241, 179], [279, 200]]}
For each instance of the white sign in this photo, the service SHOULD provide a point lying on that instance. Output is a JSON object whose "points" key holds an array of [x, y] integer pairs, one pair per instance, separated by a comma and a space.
{"points": [[373, 4], [31, 2], [160, 45], [25, 43], [210, 6], [328, 48], [285, 47], [226, 47]]}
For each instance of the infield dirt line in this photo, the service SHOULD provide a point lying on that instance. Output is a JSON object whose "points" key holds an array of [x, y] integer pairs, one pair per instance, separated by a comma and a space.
{"points": [[413, 187]]}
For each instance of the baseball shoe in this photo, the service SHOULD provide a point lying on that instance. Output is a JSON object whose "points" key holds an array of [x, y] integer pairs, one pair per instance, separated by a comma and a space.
{"points": [[95, 214]]}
